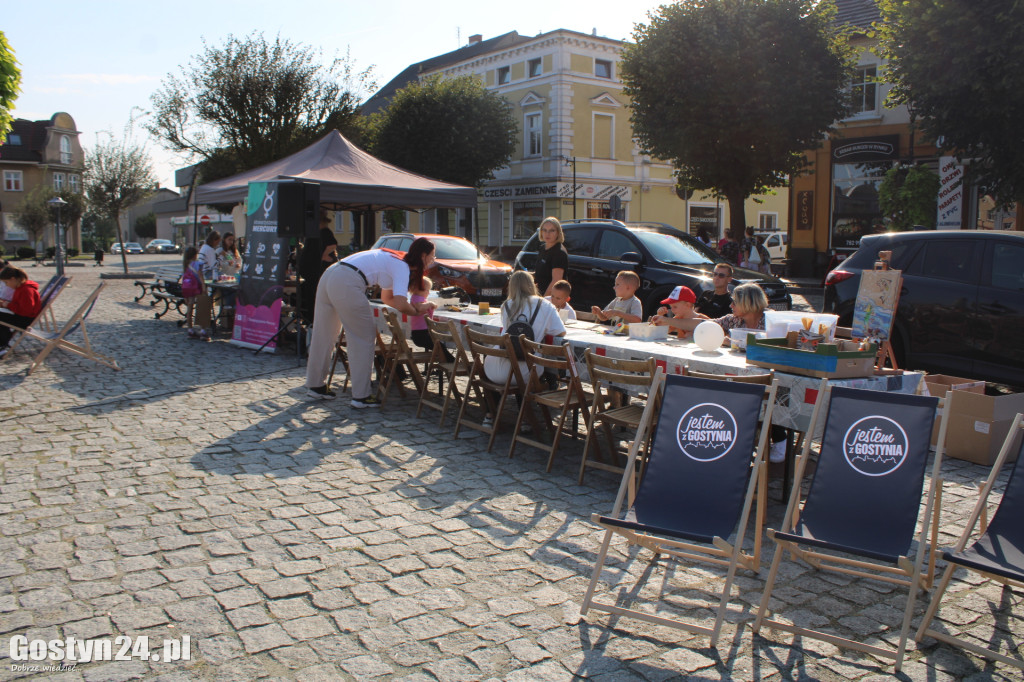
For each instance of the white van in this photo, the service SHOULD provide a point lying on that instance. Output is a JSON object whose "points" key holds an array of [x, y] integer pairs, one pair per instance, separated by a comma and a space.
{"points": [[776, 243]]}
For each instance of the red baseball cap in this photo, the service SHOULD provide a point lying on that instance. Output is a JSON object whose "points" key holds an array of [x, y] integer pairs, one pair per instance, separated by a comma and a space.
{"points": [[681, 294]]}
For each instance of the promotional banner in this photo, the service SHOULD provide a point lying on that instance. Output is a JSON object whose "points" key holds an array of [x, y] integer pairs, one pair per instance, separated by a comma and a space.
{"points": [[950, 202], [261, 280]]}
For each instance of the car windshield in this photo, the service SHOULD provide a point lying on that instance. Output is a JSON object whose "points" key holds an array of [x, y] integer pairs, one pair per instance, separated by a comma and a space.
{"points": [[455, 249], [671, 249], [134, 244]]}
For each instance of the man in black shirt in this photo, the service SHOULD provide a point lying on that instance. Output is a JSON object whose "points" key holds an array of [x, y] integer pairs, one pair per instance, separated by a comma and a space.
{"points": [[717, 303]]}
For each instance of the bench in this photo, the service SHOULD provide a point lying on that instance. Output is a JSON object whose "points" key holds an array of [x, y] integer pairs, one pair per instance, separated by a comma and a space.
{"points": [[170, 296], [161, 276]]}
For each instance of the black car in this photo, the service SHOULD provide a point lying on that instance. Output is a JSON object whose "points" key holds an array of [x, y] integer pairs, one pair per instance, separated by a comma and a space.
{"points": [[663, 256], [961, 306]]}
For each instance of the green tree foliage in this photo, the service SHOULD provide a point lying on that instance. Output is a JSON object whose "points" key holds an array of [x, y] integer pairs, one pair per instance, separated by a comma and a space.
{"points": [[453, 130], [118, 174], [10, 84], [957, 64], [253, 101], [98, 231], [907, 197], [145, 226], [733, 92], [33, 214]]}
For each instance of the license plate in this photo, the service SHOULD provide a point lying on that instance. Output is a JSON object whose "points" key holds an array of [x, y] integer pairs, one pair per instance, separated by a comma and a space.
{"points": [[490, 292]]}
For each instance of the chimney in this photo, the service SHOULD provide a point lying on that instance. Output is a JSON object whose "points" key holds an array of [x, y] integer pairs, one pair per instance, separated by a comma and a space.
{"points": [[475, 38], [593, 32]]}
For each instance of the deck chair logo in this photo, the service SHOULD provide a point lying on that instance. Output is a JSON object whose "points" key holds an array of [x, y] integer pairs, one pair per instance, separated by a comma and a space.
{"points": [[706, 432], [875, 446]]}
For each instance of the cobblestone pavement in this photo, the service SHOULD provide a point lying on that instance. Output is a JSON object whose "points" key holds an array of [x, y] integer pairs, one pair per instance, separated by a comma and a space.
{"points": [[199, 492]]}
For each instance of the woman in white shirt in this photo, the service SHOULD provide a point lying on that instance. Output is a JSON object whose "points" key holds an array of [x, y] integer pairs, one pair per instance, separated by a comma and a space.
{"points": [[523, 304], [208, 254]]}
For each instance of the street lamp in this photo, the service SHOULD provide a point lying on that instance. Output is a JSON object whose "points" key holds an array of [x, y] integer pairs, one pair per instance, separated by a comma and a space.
{"points": [[58, 249], [571, 161]]}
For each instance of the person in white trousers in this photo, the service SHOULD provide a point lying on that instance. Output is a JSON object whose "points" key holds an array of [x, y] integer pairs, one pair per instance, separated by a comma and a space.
{"points": [[341, 300]]}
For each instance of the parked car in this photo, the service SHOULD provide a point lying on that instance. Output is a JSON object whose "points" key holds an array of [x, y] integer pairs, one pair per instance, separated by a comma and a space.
{"points": [[458, 264], [961, 305], [663, 256], [129, 247], [162, 246], [776, 243]]}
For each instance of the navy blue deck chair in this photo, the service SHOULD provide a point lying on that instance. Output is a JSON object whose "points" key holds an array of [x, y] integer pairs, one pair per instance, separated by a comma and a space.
{"points": [[697, 489], [998, 550], [57, 339], [864, 500], [45, 320]]}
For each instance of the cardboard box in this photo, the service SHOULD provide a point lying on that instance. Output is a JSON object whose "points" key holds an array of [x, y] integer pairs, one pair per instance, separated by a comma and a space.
{"points": [[940, 384], [978, 425], [840, 360]]}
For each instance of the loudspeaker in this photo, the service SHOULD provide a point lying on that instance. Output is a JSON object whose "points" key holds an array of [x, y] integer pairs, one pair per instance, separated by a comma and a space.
{"points": [[298, 209]]}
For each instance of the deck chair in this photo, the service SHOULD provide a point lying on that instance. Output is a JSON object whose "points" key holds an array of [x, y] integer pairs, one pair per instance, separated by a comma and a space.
{"points": [[697, 489], [567, 399], [45, 321], [482, 346], [57, 339], [445, 334], [863, 500], [605, 410], [401, 358], [997, 552]]}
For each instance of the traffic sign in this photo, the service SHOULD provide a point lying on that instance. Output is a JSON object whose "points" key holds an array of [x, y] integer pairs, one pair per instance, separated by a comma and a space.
{"points": [[204, 220]]}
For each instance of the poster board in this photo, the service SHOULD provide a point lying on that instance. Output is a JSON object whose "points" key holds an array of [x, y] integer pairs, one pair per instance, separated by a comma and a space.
{"points": [[875, 307]]}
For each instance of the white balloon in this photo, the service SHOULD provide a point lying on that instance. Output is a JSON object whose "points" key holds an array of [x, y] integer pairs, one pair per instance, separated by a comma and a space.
{"points": [[708, 335]]}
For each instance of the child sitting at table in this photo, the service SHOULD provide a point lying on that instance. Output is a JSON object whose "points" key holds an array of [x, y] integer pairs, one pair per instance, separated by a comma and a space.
{"points": [[626, 307], [419, 333], [23, 307], [680, 304], [560, 297]]}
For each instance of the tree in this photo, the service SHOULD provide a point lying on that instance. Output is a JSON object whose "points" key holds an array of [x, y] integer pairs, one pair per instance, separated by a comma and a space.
{"points": [[907, 197], [453, 130], [118, 174], [97, 230], [145, 226], [957, 65], [253, 101], [10, 84], [733, 92], [36, 215]]}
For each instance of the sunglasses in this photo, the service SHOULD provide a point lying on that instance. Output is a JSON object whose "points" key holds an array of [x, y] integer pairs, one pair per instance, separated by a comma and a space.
{"points": [[720, 274]]}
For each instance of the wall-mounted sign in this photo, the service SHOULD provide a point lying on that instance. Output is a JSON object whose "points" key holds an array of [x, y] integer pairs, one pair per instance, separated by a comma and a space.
{"points": [[805, 210], [551, 190], [951, 195], [876, 148]]}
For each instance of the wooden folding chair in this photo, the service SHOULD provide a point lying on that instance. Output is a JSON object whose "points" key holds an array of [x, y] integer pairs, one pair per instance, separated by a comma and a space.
{"points": [[481, 347], [45, 320], [569, 399], [864, 501], [997, 552], [57, 339], [444, 334], [401, 357], [606, 409], [696, 491], [341, 355]]}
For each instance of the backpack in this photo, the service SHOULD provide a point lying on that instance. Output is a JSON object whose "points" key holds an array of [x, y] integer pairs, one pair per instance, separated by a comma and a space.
{"points": [[190, 284], [522, 328]]}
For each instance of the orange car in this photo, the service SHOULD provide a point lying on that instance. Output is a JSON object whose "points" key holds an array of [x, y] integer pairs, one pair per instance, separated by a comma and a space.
{"points": [[458, 264]]}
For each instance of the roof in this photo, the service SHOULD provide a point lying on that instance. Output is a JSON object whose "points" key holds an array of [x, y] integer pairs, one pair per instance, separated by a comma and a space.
{"points": [[859, 13], [33, 141], [411, 73]]}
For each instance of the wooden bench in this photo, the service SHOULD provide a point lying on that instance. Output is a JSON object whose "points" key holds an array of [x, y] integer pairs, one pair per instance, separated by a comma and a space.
{"points": [[161, 276]]}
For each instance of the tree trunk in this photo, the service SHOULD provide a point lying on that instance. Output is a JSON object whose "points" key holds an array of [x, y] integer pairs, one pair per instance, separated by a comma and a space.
{"points": [[737, 212], [120, 240]]}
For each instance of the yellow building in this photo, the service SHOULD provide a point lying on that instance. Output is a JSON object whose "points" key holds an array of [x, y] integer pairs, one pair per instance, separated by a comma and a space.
{"points": [[576, 149]]}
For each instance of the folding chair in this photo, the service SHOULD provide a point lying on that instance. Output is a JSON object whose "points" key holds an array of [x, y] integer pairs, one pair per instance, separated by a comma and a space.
{"points": [[998, 549], [606, 409], [57, 339], [568, 399], [341, 354], [864, 500], [444, 334], [482, 346], [45, 319], [401, 356], [697, 489]]}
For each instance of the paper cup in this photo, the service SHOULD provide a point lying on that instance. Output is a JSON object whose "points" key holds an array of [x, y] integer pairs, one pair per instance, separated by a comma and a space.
{"points": [[484, 308]]}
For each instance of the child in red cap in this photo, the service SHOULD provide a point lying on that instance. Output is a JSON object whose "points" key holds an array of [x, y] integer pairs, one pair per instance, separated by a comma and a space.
{"points": [[680, 303]]}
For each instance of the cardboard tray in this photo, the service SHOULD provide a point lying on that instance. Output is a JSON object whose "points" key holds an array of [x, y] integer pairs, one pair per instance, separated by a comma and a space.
{"points": [[840, 360]]}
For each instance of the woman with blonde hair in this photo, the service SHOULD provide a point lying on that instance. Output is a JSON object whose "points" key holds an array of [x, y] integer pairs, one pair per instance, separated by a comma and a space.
{"points": [[552, 262], [524, 305]]}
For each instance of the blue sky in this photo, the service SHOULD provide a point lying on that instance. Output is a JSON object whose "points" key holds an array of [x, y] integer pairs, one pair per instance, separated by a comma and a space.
{"points": [[101, 61]]}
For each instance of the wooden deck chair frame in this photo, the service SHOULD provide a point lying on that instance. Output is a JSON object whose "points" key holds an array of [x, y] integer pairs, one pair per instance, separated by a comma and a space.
{"points": [[684, 525], [444, 333], [53, 340], [482, 346], [988, 556], [889, 566], [341, 354], [568, 399], [401, 355], [604, 372], [45, 320]]}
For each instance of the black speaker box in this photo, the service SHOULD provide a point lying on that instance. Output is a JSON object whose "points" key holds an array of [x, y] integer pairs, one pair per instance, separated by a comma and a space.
{"points": [[298, 209]]}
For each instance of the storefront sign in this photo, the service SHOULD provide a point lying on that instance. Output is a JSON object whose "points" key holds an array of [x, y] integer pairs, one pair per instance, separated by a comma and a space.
{"points": [[950, 201], [706, 217], [805, 210], [553, 190], [866, 149]]}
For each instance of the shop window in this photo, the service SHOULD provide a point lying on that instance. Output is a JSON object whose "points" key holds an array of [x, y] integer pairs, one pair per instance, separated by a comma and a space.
{"points": [[526, 217], [602, 68], [533, 67], [599, 210], [12, 181], [533, 135], [504, 75], [864, 90], [604, 136], [65, 150]]}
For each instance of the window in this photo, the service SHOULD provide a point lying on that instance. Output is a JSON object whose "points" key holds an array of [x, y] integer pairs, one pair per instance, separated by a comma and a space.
{"points": [[579, 241], [12, 181], [526, 217], [58, 181], [74, 182], [599, 210], [533, 135], [766, 222], [533, 67], [1006, 270], [950, 260], [864, 89], [504, 75], [614, 244], [13, 231], [65, 149], [604, 136], [602, 68], [13, 139]]}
